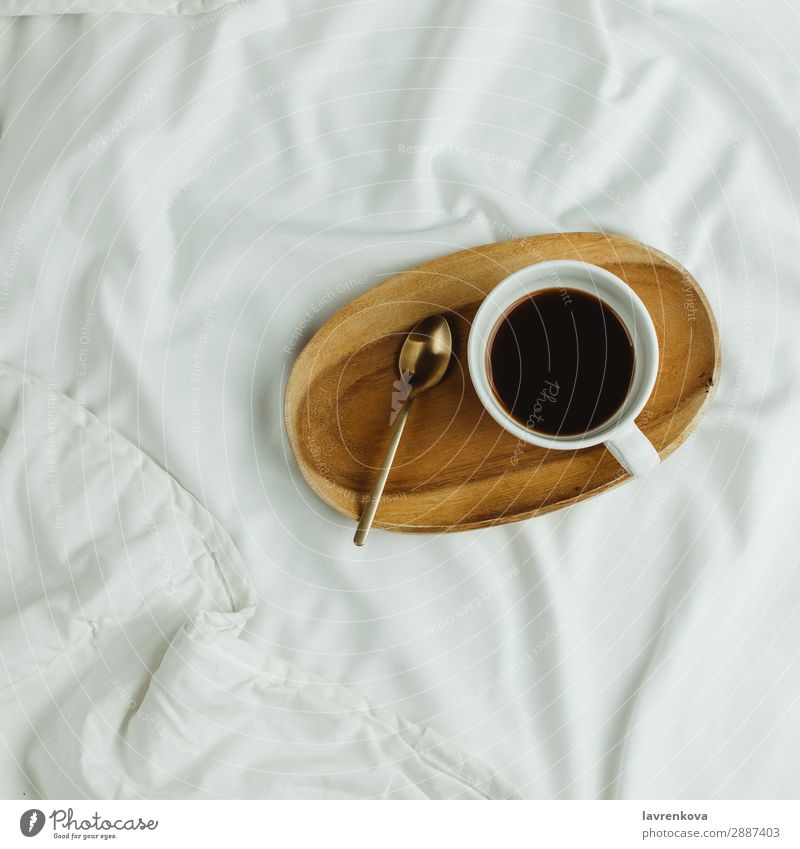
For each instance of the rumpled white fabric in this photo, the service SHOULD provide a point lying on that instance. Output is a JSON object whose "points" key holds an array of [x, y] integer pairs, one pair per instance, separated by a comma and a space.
{"points": [[124, 674], [212, 8], [184, 203]]}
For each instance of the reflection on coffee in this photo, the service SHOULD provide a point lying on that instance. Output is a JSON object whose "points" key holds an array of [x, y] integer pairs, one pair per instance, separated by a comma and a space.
{"points": [[561, 362]]}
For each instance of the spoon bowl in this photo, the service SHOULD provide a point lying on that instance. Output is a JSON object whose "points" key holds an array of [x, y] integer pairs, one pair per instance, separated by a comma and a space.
{"points": [[426, 353]]}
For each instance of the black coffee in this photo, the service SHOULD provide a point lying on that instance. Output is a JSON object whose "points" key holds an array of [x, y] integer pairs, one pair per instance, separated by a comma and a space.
{"points": [[561, 362]]}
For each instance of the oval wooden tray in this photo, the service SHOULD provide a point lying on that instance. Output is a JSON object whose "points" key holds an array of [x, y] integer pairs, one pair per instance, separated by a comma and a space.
{"points": [[456, 468]]}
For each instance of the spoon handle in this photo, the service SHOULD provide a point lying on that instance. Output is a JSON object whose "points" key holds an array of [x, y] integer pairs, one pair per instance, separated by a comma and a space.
{"points": [[371, 507]]}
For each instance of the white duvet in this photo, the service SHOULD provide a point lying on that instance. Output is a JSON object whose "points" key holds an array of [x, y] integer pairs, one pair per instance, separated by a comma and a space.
{"points": [[184, 201]]}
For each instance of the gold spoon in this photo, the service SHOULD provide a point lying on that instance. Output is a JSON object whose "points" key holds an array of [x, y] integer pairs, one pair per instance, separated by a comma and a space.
{"points": [[423, 361]]}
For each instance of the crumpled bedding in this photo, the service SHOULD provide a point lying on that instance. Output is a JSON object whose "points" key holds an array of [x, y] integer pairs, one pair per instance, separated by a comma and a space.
{"points": [[124, 674], [207, 10], [185, 200]]}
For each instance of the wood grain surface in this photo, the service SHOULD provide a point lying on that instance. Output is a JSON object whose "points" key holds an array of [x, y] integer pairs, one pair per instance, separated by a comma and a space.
{"points": [[456, 468]]}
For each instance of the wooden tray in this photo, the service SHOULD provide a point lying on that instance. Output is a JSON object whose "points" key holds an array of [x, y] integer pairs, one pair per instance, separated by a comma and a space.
{"points": [[456, 468]]}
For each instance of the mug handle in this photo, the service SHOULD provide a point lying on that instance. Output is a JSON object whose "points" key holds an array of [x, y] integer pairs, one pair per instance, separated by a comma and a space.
{"points": [[633, 450]]}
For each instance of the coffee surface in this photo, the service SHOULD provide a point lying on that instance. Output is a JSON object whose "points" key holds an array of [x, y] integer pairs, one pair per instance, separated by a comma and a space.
{"points": [[561, 362]]}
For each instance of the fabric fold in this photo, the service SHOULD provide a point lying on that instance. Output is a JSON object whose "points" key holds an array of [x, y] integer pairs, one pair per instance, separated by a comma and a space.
{"points": [[124, 669], [131, 7]]}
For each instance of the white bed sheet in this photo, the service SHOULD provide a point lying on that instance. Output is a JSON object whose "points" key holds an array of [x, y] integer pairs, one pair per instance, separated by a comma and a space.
{"points": [[209, 9], [183, 198], [124, 673]]}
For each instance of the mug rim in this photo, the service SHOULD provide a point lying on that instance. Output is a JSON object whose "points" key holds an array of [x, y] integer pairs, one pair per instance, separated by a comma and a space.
{"points": [[512, 289]]}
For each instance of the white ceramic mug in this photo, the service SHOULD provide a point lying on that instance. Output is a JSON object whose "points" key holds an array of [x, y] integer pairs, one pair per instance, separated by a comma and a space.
{"points": [[620, 434]]}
